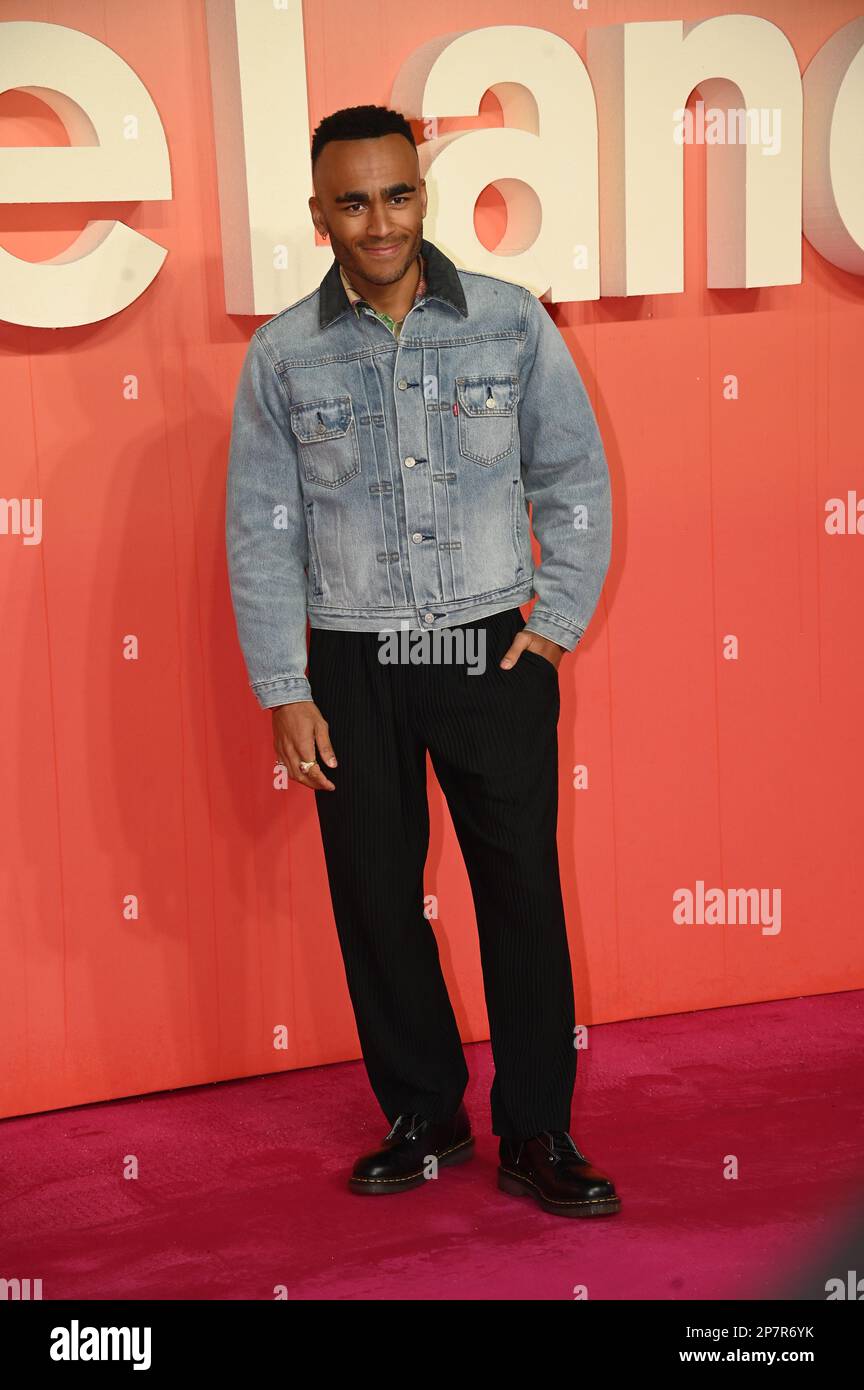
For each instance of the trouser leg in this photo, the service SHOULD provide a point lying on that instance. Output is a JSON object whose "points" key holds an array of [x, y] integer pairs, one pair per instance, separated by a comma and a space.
{"points": [[493, 743], [375, 833]]}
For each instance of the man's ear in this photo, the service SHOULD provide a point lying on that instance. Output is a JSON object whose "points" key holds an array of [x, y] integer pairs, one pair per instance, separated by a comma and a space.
{"points": [[316, 217]]}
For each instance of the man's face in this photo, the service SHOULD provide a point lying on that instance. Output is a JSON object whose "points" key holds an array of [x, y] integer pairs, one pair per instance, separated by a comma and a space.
{"points": [[368, 195]]}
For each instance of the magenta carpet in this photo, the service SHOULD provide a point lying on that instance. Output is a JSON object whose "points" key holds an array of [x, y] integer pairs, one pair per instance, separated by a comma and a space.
{"points": [[241, 1184]]}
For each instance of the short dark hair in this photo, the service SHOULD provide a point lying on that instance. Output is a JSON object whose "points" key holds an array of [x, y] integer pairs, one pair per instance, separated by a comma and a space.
{"points": [[360, 123]]}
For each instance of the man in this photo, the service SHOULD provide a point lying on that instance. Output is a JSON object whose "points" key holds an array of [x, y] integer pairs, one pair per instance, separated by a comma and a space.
{"points": [[388, 430]]}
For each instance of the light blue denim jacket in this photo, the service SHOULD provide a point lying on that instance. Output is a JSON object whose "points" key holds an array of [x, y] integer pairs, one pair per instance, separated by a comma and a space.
{"points": [[376, 481]]}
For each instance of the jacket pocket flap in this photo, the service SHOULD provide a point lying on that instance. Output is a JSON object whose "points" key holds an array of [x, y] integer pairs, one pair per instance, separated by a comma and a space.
{"points": [[487, 395], [322, 419]]}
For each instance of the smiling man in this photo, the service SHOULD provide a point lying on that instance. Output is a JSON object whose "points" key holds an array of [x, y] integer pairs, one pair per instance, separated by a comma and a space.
{"points": [[389, 431]]}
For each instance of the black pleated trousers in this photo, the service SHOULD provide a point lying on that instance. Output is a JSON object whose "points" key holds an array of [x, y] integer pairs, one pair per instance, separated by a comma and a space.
{"points": [[493, 741]]}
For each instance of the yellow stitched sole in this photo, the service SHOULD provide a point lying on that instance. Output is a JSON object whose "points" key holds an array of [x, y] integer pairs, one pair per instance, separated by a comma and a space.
{"points": [[555, 1201], [411, 1177]]}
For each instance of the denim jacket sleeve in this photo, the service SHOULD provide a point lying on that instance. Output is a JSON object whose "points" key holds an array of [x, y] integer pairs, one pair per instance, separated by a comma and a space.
{"points": [[265, 532], [566, 479]]}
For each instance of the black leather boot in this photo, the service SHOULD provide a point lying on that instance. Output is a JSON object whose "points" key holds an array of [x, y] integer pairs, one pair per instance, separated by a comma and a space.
{"points": [[551, 1169], [399, 1164]]}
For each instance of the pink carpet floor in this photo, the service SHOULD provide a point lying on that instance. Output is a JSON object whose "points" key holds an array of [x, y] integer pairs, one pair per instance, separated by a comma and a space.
{"points": [[241, 1185]]}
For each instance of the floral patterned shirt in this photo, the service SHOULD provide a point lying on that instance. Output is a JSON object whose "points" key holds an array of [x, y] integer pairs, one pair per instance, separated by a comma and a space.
{"points": [[359, 302]]}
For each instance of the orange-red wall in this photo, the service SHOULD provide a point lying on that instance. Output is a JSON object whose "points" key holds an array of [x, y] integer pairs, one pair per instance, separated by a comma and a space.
{"points": [[154, 777]]}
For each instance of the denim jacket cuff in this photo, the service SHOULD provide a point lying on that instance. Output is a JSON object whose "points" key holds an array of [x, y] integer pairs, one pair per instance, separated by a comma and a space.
{"points": [[556, 628], [284, 690]]}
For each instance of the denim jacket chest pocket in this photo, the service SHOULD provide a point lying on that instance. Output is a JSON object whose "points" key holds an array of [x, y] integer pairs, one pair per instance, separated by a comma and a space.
{"points": [[487, 416], [327, 441]]}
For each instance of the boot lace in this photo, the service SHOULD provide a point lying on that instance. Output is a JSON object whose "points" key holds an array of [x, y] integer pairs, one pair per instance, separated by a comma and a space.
{"points": [[415, 1122], [562, 1147]]}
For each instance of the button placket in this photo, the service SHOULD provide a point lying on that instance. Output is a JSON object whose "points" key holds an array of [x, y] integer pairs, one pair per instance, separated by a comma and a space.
{"points": [[424, 577]]}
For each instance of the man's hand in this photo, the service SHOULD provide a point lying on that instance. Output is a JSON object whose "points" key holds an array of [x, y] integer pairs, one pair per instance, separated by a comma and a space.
{"points": [[523, 641], [297, 729]]}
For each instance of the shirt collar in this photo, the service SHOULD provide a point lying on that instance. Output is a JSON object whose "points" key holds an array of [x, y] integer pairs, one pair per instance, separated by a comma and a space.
{"points": [[357, 299], [442, 281]]}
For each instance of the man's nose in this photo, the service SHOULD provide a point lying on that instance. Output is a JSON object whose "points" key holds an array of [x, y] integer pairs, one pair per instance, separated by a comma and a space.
{"points": [[379, 224]]}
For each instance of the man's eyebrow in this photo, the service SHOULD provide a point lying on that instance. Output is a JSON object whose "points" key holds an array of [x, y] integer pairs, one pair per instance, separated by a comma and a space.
{"points": [[360, 195]]}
